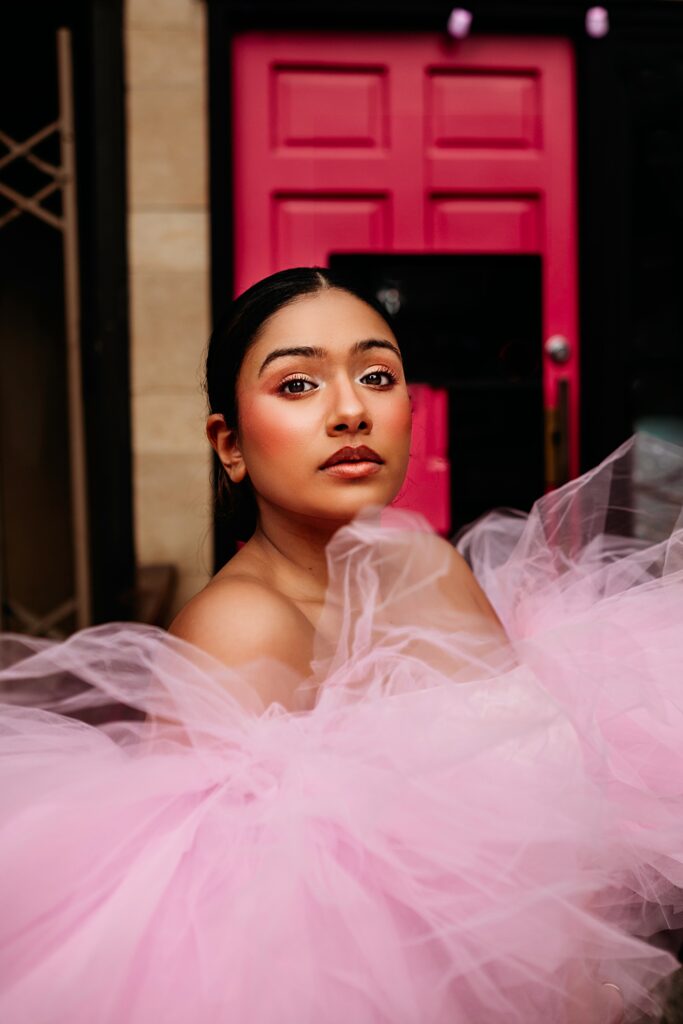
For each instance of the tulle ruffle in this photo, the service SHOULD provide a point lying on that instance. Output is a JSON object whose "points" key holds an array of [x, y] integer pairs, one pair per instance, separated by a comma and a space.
{"points": [[456, 826]]}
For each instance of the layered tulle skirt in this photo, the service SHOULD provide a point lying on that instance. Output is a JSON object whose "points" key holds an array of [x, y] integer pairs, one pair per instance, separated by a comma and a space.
{"points": [[455, 828]]}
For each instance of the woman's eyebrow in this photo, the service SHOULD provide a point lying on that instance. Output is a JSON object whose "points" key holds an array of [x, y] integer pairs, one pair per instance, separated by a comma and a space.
{"points": [[319, 353]]}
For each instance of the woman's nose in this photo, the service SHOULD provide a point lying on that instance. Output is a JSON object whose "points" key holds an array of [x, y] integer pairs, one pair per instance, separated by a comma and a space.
{"points": [[348, 411]]}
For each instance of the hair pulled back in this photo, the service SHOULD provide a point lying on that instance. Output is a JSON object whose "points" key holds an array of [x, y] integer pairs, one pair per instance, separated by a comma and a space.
{"points": [[231, 339]]}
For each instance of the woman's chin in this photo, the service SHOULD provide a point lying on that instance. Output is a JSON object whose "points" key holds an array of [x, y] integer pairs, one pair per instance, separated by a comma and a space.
{"points": [[339, 513], [349, 505], [337, 505]]}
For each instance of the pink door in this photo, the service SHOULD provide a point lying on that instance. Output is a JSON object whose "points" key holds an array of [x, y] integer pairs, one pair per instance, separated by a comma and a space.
{"points": [[415, 144]]}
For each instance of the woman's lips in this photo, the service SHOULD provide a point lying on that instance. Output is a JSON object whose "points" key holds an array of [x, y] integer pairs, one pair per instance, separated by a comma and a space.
{"points": [[352, 470]]}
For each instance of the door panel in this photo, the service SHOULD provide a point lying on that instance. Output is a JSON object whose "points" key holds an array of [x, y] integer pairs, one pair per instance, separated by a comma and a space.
{"points": [[305, 225], [429, 473], [479, 223], [304, 97], [473, 108]]}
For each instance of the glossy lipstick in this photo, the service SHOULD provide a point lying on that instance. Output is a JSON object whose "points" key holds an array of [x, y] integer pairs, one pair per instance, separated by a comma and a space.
{"points": [[351, 463], [353, 470]]}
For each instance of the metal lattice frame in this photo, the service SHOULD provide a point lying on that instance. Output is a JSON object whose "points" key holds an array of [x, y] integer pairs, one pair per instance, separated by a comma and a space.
{"points": [[63, 178]]}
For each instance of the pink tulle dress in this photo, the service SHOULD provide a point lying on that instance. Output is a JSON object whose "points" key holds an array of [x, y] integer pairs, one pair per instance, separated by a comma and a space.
{"points": [[455, 828]]}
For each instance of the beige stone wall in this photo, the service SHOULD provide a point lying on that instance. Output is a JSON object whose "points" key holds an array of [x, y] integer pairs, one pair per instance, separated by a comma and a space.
{"points": [[165, 43]]}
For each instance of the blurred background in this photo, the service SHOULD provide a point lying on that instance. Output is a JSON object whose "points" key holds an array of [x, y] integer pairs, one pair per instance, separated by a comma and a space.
{"points": [[505, 178]]}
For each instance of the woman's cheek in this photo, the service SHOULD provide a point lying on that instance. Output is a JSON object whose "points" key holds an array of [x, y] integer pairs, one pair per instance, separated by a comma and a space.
{"points": [[273, 430], [397, 423]]}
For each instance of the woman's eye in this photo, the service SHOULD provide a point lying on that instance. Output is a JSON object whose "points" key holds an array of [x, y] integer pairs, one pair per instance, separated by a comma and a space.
{"points": [[292, 386], [301, 385], [376, 374]]}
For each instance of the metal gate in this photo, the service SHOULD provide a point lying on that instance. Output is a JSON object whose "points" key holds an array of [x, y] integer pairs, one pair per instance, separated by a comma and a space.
{"points": [[60, 177]]}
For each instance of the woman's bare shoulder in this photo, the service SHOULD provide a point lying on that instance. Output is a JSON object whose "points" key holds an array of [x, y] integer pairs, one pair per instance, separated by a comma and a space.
{"points": [[462, 587], [238, 618]]}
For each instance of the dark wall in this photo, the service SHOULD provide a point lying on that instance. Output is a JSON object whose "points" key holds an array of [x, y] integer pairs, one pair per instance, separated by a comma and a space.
{"points": [[36, 552], [631, 167], [29, 100]]}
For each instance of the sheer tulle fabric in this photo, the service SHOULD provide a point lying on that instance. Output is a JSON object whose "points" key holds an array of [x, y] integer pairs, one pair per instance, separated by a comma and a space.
{"points": [[455, 827]]}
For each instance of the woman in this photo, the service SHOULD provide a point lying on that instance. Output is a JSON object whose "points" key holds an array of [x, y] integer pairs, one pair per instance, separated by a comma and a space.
{"points": [[359, 793], [320, 381]]}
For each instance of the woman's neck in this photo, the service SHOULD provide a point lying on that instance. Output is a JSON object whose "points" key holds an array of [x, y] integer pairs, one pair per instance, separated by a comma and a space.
{"points": [[291, 552]]}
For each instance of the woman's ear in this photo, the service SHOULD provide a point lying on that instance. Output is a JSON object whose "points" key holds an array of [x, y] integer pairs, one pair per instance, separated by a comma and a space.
{"points": [[225, 443]]}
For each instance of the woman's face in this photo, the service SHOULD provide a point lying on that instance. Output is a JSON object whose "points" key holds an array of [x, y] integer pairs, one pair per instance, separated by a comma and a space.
{"points": [[343, 385]]}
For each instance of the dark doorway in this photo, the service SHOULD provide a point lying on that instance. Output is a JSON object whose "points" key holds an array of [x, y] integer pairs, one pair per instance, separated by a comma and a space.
{"points": [[471, 324]]}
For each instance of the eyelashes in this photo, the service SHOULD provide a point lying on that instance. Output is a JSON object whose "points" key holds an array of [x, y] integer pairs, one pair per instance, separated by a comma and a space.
{"points": [[283, 387], [393, 378]]}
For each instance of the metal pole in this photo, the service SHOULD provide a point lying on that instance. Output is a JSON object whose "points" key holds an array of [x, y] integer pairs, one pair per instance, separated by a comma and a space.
{"points": [[79, 503]]}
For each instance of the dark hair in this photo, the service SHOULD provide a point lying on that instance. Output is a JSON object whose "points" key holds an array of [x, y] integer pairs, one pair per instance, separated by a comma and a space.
{"points": [[231, 339]]}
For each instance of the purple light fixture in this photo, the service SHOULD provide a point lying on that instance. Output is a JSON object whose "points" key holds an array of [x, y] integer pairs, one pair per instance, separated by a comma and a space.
{"points": [[597, 22], [459, 23]]}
